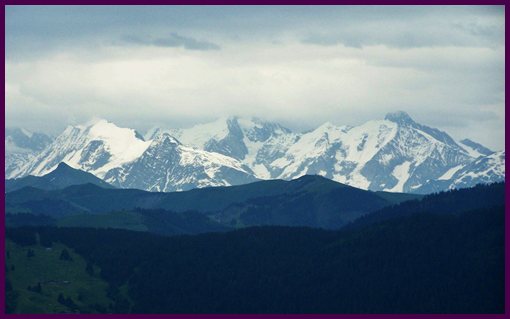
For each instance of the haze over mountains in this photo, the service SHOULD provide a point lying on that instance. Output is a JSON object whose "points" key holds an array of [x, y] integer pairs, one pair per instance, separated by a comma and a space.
{"points": [[393, 154]]}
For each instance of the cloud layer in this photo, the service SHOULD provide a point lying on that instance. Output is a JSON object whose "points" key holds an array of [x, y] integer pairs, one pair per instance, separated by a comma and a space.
{"points": [[173, 41], [175, 66]]}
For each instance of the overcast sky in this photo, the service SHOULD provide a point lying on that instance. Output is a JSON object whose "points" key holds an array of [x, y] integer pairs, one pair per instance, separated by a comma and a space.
{"points": [[303, 65]]}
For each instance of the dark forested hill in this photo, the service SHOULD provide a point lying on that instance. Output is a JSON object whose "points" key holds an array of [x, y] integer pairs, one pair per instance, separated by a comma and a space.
{"points": [[418, 263], [307, 201], [62, 177], [449, 202]]}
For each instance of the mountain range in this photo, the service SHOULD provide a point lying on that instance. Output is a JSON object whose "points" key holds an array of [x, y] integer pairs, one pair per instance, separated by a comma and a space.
{"points": [[395, 154]]}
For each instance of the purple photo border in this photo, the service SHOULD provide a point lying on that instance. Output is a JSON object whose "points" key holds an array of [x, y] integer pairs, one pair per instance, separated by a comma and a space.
{"points": [[258, 2]]}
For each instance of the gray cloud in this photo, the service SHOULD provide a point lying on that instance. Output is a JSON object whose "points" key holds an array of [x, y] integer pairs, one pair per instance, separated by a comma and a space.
{"points": [[423, 32], [299, 65], [172, 41]]}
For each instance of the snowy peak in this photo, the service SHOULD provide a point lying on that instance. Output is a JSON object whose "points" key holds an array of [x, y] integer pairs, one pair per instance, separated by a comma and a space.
{"points": [[232, 127], [330, 129], [164, 138], [475, 149], [338, 153], [102, 129], [404, 120], [167, 165], [257, 130], [200, 134], [104, 146], [95, 147], [399, 117]]}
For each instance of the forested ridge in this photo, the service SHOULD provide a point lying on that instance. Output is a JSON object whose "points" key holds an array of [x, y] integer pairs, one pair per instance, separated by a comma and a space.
{"points": [[312, 201]]}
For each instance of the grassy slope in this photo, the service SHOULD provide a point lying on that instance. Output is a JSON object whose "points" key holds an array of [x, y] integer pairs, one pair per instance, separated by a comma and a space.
{"points": [[56, 276]]}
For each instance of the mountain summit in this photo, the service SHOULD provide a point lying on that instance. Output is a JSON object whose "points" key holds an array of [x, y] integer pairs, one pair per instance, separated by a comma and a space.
{"points": [[399, 117]]}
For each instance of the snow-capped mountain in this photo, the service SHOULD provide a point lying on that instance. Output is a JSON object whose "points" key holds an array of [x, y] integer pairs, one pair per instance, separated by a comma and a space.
{"points": [[394, 154], [167, 165], [95, 147], [255, 142], [485, 169], [20, 146], [122, 157]]}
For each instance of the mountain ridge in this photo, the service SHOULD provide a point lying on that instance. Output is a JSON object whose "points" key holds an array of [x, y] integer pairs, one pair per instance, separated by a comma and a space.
{"points": [[312, 201], [394, 154]]}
